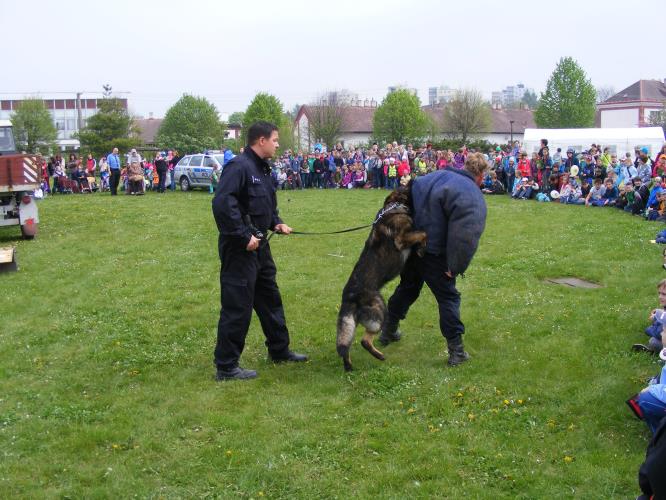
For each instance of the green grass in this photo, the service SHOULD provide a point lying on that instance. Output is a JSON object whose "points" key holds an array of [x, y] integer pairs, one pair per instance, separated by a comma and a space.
{"points": [[106, 373]]}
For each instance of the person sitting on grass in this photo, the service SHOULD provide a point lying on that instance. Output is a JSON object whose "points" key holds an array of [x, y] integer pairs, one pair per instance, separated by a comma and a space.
{"points": [[570, 193], [657, 211], [611, 193], [629, 200], [652, 401], [658, 319], [523, 189], [595, 196], [496, 187]]}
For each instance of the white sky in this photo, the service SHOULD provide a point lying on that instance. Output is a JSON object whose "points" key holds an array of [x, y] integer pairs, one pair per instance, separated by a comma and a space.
{"points": [[296, 49]]}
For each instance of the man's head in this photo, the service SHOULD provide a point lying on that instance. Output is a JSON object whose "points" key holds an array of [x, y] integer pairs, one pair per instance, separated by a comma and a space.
{"points": [[476, 165], [263, 138], [115, 151], [637, 181], [597, 182]]}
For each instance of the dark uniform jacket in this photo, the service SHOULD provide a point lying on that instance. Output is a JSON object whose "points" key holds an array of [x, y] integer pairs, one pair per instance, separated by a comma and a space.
{"points": [[449, 207], [245, 189]]}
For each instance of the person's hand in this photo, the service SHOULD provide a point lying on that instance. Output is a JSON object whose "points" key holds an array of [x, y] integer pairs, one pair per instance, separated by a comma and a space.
{"points": [[253, 244], [282, 229], [652, 314], [448, 274]]}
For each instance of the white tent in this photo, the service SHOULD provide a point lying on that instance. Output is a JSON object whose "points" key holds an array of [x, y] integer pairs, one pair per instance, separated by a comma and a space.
{"points": [[618, 140]]}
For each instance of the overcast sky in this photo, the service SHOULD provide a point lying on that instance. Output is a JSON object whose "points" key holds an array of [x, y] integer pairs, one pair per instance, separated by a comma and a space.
{"points": [[296, 49]]}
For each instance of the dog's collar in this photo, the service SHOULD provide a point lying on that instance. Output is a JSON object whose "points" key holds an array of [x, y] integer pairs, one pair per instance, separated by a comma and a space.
{"points": [[390, 208]]}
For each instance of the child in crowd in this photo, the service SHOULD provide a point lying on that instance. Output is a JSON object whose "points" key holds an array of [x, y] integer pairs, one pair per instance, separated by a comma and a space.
{"points": [[570, 193], [611, 193], [557, 158], [629, 200], [657, 211], [496, 187], [652, 399], [595, 196], [358, 176], [346, 181], [658, 320]]}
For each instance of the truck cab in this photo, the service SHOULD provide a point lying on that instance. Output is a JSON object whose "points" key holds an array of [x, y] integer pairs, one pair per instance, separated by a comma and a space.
{"points": [[7, 144]]}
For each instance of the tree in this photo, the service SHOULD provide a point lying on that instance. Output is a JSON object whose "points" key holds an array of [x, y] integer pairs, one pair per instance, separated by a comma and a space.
{"points": [[466, 114], [236, 118], [111, 127], [192, 125], [530, 99], [33, 126], [569, 99], [266, 107], [605, 92], [400, 118], [326, 119]]}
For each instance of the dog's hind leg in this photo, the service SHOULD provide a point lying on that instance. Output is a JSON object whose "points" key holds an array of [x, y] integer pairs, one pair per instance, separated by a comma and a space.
{"points": [[367, 343], [345, 337]]}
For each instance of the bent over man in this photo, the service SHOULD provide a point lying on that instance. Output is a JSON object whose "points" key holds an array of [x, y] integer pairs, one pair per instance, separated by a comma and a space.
{"points": [[245, 208], [449, 207]]}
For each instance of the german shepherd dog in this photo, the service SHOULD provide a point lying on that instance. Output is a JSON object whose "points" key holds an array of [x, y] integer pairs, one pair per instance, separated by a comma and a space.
{"points": [[388, 246]]}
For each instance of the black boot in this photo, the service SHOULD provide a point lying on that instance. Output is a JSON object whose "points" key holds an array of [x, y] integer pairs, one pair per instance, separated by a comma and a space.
{"points": [[390, 333], [457, 354]]}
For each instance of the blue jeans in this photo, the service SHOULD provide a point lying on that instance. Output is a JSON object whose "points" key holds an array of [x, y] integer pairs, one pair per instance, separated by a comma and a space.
{"points": [[305, 180], [653, 410]]}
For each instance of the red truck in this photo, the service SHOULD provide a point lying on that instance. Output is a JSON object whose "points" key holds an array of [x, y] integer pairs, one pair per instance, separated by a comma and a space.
{"points": [[19, 178]]}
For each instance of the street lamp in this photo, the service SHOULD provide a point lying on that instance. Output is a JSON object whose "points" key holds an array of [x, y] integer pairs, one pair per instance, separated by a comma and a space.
{"points": [[511, 125]]}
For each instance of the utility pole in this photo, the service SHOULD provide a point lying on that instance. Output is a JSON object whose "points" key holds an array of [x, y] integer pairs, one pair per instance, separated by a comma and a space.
{"points": [[78, 110], [511, 125]]}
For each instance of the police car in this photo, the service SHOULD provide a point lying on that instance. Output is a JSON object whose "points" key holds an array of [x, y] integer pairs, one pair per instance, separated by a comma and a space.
{"points": [[197, 170]]}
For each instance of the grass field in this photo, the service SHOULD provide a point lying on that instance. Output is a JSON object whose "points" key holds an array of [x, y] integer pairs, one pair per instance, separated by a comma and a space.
{"points": [[107, 383]]}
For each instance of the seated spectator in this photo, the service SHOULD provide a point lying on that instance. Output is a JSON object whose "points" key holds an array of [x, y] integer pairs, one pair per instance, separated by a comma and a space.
{"points": [[652, 401], [281, 178], [654, 190], [660, 167], [346, 181], [657, 211], [496, 187], [524, 189], [642, 190], [570, 193], [595, 196], [611, 193], [629, 200], [358, 176], [644, 170]]}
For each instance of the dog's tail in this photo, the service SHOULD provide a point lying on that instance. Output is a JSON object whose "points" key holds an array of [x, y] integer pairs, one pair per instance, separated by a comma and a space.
{"points": [[346, 330]]}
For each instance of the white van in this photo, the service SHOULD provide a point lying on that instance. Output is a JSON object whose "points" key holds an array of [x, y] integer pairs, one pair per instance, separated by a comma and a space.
{"points": [[618, 140]]}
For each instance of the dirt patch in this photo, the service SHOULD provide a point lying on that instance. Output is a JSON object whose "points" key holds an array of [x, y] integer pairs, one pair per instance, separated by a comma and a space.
{"points": [[573, 282]]}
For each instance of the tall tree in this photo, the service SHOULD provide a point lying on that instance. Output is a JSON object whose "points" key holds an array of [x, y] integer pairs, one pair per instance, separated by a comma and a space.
{"points": [[267, 107], [569, 99], [111, 127], [326, 119], [236, 118], [658, 119], [192, 125], [33, 126], [400, 118], [466, 114]]}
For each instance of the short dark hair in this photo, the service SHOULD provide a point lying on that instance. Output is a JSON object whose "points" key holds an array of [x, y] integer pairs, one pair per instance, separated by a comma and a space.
{"points": [[258, 130]]}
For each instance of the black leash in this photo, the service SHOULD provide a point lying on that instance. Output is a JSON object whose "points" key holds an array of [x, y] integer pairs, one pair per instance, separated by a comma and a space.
{"points": [[308, 233]]}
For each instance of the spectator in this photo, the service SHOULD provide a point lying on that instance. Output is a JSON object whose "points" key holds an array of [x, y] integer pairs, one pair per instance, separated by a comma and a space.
{"points": [[595, 196]]}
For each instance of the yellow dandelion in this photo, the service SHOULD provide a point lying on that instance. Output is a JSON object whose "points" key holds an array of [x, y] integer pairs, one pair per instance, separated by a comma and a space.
{"points": [[228, 453], [115, 446], [261, 494], [571, 427], [411, 410], [568, 459], [471, 416], [520, 401], [459, 395], [506, 401]]}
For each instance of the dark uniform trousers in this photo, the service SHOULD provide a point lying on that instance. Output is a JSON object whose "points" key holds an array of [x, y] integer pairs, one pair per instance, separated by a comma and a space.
{"points": [[430, 270], [247, 281]]}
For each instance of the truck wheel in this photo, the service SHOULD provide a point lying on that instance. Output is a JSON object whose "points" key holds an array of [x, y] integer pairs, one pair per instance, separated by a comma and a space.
{"points": [[184, 184], [29, 231]]}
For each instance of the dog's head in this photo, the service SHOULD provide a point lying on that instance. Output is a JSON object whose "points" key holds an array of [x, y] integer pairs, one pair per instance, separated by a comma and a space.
{"points": [[402, 194]]}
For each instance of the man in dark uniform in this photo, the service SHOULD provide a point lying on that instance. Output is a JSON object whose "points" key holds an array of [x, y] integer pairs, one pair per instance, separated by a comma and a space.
{"points": [[244, 206], [449, 207]]}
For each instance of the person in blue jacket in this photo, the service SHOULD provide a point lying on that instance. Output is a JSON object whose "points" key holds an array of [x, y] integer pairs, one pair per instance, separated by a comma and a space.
{"points": [[449, 206]]}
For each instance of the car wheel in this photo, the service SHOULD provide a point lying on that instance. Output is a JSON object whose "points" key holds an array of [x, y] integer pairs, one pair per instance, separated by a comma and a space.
{"points": [[184, 184]]}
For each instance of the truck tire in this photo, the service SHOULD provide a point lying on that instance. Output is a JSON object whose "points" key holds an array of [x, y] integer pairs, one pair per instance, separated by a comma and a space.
{"points": [[184, 183]]}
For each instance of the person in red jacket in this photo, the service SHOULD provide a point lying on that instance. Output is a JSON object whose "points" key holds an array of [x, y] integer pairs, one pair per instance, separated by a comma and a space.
{"points": [[403, 168], [524, 166]]}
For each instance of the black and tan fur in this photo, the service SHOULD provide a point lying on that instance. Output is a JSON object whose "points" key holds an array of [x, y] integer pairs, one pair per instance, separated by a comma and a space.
{"points": [[388, 246]]}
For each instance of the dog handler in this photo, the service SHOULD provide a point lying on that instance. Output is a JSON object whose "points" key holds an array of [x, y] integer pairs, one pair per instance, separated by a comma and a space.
{"points": [[449, 207], [244, 206]]}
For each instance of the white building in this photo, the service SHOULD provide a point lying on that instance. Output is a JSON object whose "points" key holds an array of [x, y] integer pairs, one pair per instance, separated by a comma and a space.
{"points": [[511, 96], [633, 106], [440, 95], [69, 114]]}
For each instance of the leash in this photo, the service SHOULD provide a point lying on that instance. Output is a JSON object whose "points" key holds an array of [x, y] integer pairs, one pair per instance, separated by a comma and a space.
{"points": [[383, 212]]}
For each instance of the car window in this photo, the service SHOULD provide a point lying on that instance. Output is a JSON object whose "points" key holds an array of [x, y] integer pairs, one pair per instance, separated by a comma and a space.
{"points": [[184, 161], [220, 159], [196, 161], [209, 162]]}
